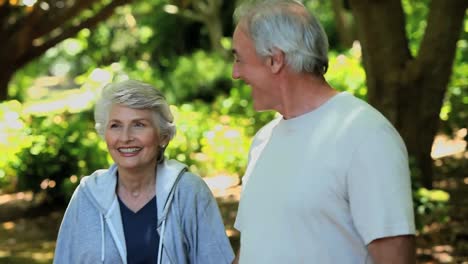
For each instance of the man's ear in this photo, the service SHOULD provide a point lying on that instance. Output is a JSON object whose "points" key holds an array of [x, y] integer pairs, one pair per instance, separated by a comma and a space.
{"points": [[277, 61]]}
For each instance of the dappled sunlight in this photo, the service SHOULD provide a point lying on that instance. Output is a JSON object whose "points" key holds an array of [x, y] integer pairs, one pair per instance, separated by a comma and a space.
{"points": [[5, 253], [75, 101], [8, 225], [29, 240], [42, 85], [47, 184], [223, 185], [101, 75], [448, 184], [442, 253], [40, 256], [25, 196], [444, 146]]}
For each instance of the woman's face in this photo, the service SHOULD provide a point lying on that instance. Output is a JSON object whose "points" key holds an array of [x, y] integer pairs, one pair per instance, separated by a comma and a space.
{"points": [[132, 138]]}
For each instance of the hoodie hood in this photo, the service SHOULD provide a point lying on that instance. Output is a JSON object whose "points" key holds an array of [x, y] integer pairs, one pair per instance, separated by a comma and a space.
{"points": [[100, 188]]}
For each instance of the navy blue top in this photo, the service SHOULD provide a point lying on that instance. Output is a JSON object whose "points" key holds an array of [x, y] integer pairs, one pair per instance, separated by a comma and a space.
{"points": [[141, 236]]}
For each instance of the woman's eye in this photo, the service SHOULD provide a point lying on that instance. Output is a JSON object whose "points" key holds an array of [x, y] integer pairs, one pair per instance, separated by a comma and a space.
{"points": [[114, 125], [138, 124]]}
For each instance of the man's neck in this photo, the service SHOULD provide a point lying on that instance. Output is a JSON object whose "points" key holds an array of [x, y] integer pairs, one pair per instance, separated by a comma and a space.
{"points": [[302, 93]]}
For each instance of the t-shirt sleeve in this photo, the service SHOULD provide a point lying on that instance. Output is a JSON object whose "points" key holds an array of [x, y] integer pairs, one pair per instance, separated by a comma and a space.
{"points": [[379, 186]]}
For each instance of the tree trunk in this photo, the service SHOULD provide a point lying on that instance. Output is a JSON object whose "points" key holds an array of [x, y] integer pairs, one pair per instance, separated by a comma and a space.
{"points": [[6, 74], [215, 32], [409, 91], [343, 26], [208, 12]]}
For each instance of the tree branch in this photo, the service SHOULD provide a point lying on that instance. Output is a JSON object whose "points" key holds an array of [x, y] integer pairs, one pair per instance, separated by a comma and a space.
{"points": [[437, 51], [444, 24], [200, 5], [191, 15], [385, 50], [37, 51], [389, 47], [58, 21]]}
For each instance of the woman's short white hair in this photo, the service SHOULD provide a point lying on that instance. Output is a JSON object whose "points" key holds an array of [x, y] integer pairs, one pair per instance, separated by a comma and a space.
{"points": [[288, 26], [135, 95]]}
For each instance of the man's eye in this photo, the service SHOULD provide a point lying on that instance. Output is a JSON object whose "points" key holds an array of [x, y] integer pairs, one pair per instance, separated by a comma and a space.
{"points": [[114, 125], [138, 124]]}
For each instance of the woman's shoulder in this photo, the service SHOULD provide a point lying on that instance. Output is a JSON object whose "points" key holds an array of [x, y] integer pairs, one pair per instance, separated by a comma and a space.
{"points": [[191, 180], [192, 185], [100, 176]]}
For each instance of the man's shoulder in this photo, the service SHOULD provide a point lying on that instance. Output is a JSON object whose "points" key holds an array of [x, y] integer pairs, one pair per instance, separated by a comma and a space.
{"points": [[266, 130], [359, 113]]}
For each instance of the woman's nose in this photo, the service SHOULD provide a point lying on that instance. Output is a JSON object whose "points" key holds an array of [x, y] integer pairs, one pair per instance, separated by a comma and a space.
{"points": [[126, 135]]}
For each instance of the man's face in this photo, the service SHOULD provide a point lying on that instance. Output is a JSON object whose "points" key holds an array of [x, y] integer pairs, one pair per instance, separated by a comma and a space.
{"points": [[253, 70]]}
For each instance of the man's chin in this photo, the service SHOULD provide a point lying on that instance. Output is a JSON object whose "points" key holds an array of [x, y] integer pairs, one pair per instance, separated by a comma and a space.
{"points": [[259, 108]]}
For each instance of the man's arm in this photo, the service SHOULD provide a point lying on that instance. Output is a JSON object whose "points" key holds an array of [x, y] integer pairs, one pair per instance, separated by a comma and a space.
{"points": [[397, 249], [236, 259]]}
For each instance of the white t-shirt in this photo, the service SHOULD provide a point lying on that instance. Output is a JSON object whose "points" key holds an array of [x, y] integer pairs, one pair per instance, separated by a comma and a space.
{"points": [[320, 187]]}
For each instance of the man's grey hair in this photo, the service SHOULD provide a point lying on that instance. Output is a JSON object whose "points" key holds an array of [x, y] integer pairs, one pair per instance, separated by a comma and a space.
{"points": [[135, 95], [286, 25]]}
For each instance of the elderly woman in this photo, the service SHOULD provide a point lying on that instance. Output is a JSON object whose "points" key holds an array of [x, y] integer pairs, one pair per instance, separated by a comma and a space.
{"points": [[144, 208]]}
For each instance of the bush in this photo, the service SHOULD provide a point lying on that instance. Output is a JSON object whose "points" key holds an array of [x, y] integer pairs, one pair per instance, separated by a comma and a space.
{"points": [[200, 75], [62, 148], [430, 206], [13, 138]]}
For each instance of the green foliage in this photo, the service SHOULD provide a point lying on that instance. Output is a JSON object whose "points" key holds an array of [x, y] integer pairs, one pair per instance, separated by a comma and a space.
{"points": [[212, 144], [200, 75], [214, 138], [416, 13], [454, 112], [214, 115], [13, 138], [346, 72], [430, 206], [324, 12], [62, 148]]}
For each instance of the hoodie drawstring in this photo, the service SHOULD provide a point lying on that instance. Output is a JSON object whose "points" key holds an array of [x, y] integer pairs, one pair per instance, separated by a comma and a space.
{"points": [[167, 206], [103, 218], [102, 239], [161, 241]]}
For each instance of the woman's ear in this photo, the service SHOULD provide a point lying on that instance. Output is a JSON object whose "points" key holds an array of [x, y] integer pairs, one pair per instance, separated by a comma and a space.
{"points": [[277, 61], [163, 141]]}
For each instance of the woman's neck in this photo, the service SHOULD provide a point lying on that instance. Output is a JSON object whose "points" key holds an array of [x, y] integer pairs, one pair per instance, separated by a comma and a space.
{"points": [[135, 183]]}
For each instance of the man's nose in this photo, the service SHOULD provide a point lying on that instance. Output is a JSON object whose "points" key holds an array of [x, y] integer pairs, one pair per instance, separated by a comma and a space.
{"points": [[235, 72]]}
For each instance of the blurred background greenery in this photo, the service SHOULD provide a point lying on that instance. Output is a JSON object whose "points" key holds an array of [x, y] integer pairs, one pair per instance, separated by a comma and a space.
{"points": [[50, 81]]}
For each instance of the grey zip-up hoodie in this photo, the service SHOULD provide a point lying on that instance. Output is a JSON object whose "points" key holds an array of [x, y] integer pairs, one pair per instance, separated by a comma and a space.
{"points": [[189, 223]]}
